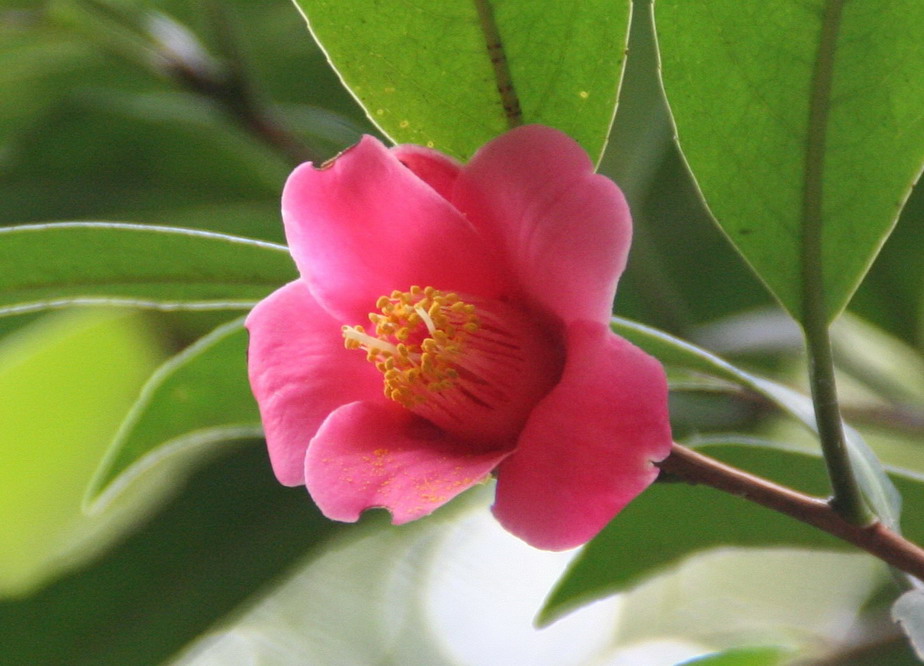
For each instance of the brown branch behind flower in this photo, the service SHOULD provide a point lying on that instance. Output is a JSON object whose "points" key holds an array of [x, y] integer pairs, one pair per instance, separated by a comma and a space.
{"points": [[875, 539]]}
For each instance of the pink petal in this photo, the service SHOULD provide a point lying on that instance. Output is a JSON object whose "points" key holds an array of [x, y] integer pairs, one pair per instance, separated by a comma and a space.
{"points": [[364, 225], [588, 448], [370, 455], [565, 230], [437, 170], [299, 373]]}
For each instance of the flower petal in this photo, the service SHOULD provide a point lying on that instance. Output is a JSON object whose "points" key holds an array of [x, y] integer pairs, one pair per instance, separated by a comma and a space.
{"points": [[565, 230], [589, 445], [370, 455], [364, 225], [439, 171], [299, 373]]}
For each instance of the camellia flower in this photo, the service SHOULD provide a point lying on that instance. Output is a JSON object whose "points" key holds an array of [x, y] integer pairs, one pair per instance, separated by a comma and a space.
{"points": [[451, 321]]}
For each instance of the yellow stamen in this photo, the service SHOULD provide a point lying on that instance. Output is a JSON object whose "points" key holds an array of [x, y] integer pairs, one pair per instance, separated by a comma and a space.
{"points": [[419, 336]]}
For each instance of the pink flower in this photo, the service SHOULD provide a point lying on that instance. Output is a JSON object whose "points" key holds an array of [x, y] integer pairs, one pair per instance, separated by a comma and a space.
{"points": [[478, 297]]}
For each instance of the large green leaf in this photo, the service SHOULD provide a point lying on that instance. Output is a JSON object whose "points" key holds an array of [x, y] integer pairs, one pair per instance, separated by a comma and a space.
{"points": [[197, 398], [743, 80], [424, 72], [52, 265], [672, 520], [876, 487]]}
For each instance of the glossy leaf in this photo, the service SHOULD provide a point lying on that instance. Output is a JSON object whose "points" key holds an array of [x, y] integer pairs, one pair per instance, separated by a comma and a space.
{"points": [[876, 487], [424, 72], [672, 520], [54, 265], [741, 79], [908, 611], [198, 398]]}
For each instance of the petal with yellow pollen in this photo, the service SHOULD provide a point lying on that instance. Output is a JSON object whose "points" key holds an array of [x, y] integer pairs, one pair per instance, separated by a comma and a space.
{"points": [[369, 455]]}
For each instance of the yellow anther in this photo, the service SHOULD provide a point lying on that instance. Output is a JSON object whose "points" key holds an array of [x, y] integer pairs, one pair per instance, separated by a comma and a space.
{"points": [[418, 338]]}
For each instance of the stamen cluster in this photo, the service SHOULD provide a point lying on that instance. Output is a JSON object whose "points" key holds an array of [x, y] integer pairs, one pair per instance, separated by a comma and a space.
{"points": [[417, 337]]}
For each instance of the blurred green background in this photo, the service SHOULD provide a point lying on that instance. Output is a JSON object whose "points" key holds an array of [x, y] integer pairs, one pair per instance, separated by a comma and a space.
{"points": [[101, 119]]}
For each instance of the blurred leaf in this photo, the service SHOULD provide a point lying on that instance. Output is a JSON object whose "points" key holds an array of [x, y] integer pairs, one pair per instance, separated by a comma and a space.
{"points": [[795, 602], [122, 27], [198, 398], [452, 589], [424, 73], [304, 619], [877, 489], [672, 520], [891, 368], [65, 380], [49, 265], [740, 79], [232, 531], [908, 611], [108, 153], [34, 68], [756, 656]]}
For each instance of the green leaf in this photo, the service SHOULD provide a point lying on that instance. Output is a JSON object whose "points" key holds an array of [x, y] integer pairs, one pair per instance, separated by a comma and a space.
{"points": [[741, 79], [53, 265], [231, 532], [908, 611], [877, 489], [672, 520], [65, 380], [756, 656], [414, 594], [198, 398], [424, 73]]}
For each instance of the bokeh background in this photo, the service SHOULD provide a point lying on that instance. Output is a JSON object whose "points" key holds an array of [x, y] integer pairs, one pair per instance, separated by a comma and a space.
{"points": [[191, 113]]}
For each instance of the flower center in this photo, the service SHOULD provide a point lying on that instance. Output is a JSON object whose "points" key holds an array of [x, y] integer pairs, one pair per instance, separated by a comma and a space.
{"points": [[418, 336], [471, 367]]}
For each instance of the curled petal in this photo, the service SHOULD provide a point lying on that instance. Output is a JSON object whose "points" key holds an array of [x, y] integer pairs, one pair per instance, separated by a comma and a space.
{"points": [[431, 166], [565, 230], [299, 373], [369, 455], [589, 445], [364, 225]]}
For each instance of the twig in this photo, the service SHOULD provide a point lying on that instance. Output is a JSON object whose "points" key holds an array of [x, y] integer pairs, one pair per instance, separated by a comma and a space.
{"points": [[875, 539]]}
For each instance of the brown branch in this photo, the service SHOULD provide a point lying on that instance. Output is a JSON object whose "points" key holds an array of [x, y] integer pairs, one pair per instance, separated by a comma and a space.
{"points": [[875, 539]]}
